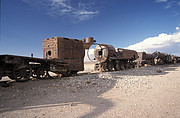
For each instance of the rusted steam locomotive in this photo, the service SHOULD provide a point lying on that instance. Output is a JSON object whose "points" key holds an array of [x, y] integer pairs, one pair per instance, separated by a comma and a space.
{"points": [[110, 58], [156, 58], [60, 55], [164, 58]]}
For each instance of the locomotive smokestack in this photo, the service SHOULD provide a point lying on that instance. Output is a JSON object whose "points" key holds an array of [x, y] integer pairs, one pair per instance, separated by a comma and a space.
{"points": [[88, 42]]}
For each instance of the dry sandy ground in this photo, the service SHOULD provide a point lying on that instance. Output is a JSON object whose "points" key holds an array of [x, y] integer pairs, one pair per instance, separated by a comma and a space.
{"points": [[134, 93]]}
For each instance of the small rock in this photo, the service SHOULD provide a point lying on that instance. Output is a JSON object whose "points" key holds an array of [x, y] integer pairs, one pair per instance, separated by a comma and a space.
{"points": [[88, 82], [158, 70], [72, 104]]}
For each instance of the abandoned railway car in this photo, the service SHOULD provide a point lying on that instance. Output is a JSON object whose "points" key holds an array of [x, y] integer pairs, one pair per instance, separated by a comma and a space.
{"points": [[67, 50], [60, 55], [144, 58], [22, 68]]}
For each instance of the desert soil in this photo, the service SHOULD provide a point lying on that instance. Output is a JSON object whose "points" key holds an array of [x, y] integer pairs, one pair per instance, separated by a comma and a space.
{"points": [[136, 93]]}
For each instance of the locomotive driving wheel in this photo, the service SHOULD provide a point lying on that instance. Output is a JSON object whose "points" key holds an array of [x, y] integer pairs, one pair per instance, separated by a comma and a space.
{"points": [[22, 73], [110, 66], [122, 66], [1, 72], [117, 67], [127, 66], [103, 68]]}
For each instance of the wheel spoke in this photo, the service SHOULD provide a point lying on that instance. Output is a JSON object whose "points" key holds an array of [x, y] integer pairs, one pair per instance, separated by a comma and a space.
{"points": [[22, 74]]}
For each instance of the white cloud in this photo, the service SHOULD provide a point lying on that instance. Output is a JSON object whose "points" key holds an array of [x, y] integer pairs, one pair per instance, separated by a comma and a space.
{"points": [[161, 0], [77, 10], [84, 15], [60, 4], [177, 28], [86, 12], [169, 5], [175, 13], [169, 43]]}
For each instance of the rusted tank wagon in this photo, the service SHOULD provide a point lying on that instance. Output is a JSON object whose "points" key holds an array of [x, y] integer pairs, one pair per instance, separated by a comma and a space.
{"points": [[68, 50], [110, 58], [144, 58]]}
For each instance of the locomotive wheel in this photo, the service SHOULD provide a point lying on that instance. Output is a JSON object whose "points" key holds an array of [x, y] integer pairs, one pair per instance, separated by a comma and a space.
{"points": [[103, 68], [23, 73], [127, 66], [95, 68], [34, 71], [122, 66], [117, 67], [133, 65], [42, 73], [110, 66], [1, 72]]}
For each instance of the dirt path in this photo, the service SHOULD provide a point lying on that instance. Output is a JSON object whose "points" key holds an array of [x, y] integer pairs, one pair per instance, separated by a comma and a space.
{"points": [[141, 92]]}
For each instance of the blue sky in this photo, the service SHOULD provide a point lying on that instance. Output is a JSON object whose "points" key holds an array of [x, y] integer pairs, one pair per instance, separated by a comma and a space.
{"points": [[122, 23]]}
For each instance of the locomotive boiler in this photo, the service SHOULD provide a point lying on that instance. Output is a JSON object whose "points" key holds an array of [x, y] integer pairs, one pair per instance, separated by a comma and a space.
{"points": [[110, 58]]}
